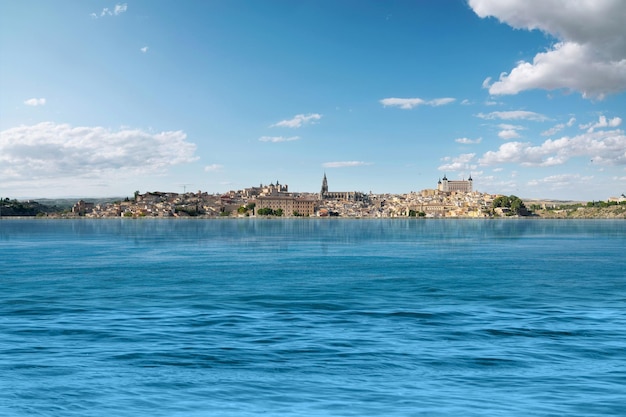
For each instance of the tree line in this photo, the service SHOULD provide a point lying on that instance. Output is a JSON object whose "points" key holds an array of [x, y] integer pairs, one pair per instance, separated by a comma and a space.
{"points": [[512, 202]]}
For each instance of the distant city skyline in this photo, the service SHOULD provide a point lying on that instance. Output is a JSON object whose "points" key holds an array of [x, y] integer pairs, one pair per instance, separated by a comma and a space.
{"points": [[102, 98]]}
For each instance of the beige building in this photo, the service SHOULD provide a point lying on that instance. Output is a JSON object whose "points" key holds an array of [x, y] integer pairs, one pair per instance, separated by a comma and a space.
{"points": [[266, 190], [447, 186], [81, 208], [288, 204]]}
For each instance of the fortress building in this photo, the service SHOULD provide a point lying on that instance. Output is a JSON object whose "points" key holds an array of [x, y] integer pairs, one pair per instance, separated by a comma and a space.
{"points": [[447, 186]]}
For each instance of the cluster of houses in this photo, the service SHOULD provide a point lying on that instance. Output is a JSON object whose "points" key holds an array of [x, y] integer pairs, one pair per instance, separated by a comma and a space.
{"points": [[427, 203], [275, 199], [157, 204]]}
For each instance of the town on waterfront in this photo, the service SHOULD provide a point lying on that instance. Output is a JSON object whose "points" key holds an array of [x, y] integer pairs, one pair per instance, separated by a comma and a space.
{"points": [[449, 199]]}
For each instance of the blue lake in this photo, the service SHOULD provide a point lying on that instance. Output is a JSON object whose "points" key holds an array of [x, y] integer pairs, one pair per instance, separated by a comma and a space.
{"points": [[312, 317]]}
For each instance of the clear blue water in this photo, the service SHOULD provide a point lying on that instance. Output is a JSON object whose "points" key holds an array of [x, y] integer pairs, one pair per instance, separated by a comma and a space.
{"points": [[312, 318]]}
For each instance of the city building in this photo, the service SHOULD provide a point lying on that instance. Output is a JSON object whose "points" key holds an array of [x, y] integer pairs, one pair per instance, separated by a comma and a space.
{"points": [[266, 190], [340, 195], [448, 186], [82, 207], [288, 204]]}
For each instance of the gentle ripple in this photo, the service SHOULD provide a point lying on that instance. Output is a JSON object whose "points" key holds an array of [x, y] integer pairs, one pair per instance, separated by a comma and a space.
{"points": [[312, 317]]}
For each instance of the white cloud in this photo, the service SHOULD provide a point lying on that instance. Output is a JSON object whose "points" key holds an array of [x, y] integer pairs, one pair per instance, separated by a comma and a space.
{"points": [[144, 49], [509, 131], [298, 120], [459, 163], [602, 148], [509, 152], [553, 130], [553, 184], [343, 164], [513, 115], [497, 182], [276, 139], [441, 101], [561, 181], [409, 103], [602, 122], [35, 101], [403, 103], [466, 102], [510, 126], [213, 168], [50, 151], [467, 141], [590, 56], [508, 134], [558, 127], [120, 8], [117, 10]]}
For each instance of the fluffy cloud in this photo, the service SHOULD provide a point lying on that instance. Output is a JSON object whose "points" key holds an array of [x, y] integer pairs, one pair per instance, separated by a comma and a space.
{"points": [[116, 11], [343, 164], [590, 56], [603, 148], [144, 49], [467, 141], [508, 134], [561, 181], [48, 151], [298, 120], [513, 115], [276, 139], [509, 131], [409, 103], [602, 122], [35, 101], [460, 163]]}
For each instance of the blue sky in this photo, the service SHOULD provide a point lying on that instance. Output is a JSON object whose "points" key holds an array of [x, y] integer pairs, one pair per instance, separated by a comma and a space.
{"points": [[99, 98]]}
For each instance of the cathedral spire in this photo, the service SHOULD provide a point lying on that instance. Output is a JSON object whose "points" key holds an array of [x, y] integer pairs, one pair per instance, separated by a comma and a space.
{"points": [[324, 190]]}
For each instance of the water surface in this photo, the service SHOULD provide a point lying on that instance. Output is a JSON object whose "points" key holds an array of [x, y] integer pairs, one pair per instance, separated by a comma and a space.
{"points": [[309, 317]]}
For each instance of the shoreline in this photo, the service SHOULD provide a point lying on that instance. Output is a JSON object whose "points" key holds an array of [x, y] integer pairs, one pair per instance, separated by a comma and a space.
{"points": [[295, 218]]}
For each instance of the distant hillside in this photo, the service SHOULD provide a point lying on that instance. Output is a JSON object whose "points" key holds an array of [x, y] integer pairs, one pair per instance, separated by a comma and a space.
{"points": [[9, 208], [599, 210], [45, 206], [67, 203]]}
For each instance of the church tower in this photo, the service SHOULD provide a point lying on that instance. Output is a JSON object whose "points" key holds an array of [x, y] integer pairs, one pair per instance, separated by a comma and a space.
{"points": [[324, 190]]}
